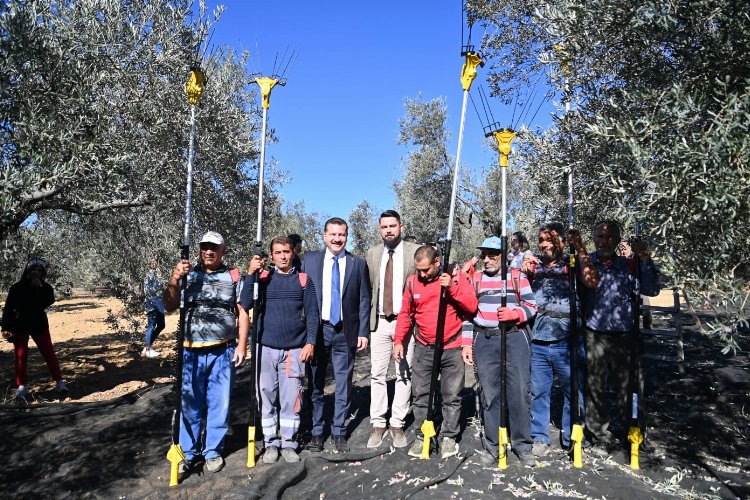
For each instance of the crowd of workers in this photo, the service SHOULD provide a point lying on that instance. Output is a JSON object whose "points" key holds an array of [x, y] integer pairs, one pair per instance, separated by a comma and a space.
{"points": [[329, 305]]}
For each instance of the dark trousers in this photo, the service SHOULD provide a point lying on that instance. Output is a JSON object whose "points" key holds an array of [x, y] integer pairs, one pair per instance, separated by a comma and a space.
{"points": [[336, 349], [452, 373], [608, 358], [518, 368]]}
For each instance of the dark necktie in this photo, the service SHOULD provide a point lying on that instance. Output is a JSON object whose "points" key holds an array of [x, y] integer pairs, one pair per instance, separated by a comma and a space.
{"points": [[335, 315], [388, 286]]}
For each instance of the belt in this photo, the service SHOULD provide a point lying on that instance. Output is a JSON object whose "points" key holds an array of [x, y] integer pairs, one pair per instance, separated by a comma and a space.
{"points": [[553, 314], [389, 317], [491, 332], [337, 327]]}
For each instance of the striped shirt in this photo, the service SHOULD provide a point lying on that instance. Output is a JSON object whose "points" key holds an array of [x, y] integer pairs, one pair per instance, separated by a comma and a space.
{"points": [[490, 296]]}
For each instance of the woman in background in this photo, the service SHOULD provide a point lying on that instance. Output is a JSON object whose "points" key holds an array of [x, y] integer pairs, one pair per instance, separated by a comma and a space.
{"points": [[24, 316]]}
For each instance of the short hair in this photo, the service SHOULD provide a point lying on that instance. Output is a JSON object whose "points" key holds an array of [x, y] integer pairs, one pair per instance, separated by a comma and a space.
{"points": [[295, 239], [390, 213], [336, 221], [522, 240], [426, 252], [553, 226], [281, 240], [410, 239], [611, 224]]}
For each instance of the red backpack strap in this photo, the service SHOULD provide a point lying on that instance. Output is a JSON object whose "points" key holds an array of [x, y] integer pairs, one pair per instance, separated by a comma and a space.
{"points": [[235, 274], [515, 277], [302, 279], [477, 280]]}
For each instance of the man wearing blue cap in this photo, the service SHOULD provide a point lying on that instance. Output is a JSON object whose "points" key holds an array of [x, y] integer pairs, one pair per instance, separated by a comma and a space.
{"points": [[486, 351]]}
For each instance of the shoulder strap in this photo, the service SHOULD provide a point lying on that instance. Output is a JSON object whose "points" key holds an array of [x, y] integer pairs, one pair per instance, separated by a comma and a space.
{"points": [[477, 279], [235, 274], [515, 277], [302, 279]]}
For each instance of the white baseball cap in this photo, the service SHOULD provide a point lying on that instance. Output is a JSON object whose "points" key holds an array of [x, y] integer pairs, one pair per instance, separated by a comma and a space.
{"points": [[212, 237]]}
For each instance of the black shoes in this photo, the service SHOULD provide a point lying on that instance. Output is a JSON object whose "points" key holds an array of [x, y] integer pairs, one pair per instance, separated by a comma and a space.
{"points": [[339, 444], [316, 444]]}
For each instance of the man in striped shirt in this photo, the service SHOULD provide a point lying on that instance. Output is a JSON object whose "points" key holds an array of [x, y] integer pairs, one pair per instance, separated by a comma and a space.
{"points": [[485, 328]]}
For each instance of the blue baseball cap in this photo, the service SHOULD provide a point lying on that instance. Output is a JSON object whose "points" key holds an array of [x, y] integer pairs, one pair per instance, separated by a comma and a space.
{"points": [[492, 243]]}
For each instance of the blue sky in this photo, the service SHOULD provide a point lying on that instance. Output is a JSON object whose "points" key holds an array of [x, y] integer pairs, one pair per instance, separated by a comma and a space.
{"points": [[337, 117]]}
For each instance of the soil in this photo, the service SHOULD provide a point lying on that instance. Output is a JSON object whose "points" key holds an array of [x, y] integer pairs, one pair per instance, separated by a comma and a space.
{"points": [[108, 438]]}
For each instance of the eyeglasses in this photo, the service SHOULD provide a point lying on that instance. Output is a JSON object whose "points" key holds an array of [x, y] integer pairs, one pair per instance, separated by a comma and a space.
{"points": [[485, 255]]}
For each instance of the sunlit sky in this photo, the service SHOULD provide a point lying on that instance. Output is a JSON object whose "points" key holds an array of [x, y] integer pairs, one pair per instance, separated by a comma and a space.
{"points": [[337, 118]]}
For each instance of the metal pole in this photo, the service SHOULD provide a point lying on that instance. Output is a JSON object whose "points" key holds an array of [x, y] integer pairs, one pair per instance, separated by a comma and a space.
{"points": [[468, 73], [175, 455], [504, 138]]}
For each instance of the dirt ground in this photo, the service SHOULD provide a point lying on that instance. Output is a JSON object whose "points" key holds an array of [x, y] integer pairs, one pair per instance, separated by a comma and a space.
{"points": [[109, 437]]}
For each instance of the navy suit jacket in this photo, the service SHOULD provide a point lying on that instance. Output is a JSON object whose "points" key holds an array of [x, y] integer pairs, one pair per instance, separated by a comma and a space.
{"points": [[355, 301]]}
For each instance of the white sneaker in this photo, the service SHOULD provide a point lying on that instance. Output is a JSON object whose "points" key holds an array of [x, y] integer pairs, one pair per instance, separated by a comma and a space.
{"points": [[61, 386], [21, 392], [150, 353]]}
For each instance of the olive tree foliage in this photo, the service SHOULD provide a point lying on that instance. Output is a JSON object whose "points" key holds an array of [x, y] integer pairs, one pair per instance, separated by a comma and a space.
{"points": [[657, 130], [424, 190], [95, 125], [363, 228]]}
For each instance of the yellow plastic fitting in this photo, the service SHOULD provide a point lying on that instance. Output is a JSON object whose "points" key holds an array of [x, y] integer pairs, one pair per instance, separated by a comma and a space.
{"points": [[635, 436], [175, 456], [428, 432], [266, 84], [577, 437], [194, 86], [469, 70], [251, 446], [504, 137], [502, 448]]}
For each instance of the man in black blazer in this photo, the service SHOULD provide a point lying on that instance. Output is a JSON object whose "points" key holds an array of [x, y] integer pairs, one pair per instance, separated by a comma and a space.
{"points": [[342, 286]]}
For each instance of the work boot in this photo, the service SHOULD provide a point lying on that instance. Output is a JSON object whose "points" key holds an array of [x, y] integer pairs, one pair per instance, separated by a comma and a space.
{"points": [[526, 457], [416, 448], [61, 386], [448, 447], [290, 455], [271, 455], [214, 464], [486, 458], [540, 449], [376, 437]]}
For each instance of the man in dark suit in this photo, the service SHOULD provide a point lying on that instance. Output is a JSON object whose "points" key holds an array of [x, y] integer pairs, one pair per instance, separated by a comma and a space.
{"points": [[342, 287], [389, 264]]}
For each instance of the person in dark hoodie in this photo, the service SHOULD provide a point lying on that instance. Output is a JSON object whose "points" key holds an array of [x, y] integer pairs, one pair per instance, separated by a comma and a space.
{"points": [[24, 316]]}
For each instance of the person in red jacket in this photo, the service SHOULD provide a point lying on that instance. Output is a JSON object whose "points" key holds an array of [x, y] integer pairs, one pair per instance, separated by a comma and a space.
{"points": [[420, 306]]}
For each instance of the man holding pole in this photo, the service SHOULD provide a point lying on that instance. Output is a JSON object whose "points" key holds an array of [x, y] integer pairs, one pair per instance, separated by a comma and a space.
{"points": [[342, 288], [215, 344], [419, 306], [288, 322], [390, 264], [552, 333], [485, 328], [608, 315]]}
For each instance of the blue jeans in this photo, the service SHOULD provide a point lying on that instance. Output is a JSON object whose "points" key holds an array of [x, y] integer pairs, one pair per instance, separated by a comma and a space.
{"points": [[155, 326], [547, 360], [207, 379]]}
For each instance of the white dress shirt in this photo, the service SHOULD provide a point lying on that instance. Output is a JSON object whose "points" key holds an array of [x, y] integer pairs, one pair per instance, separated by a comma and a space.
{"points": [[325, 313], [398, 276]]}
